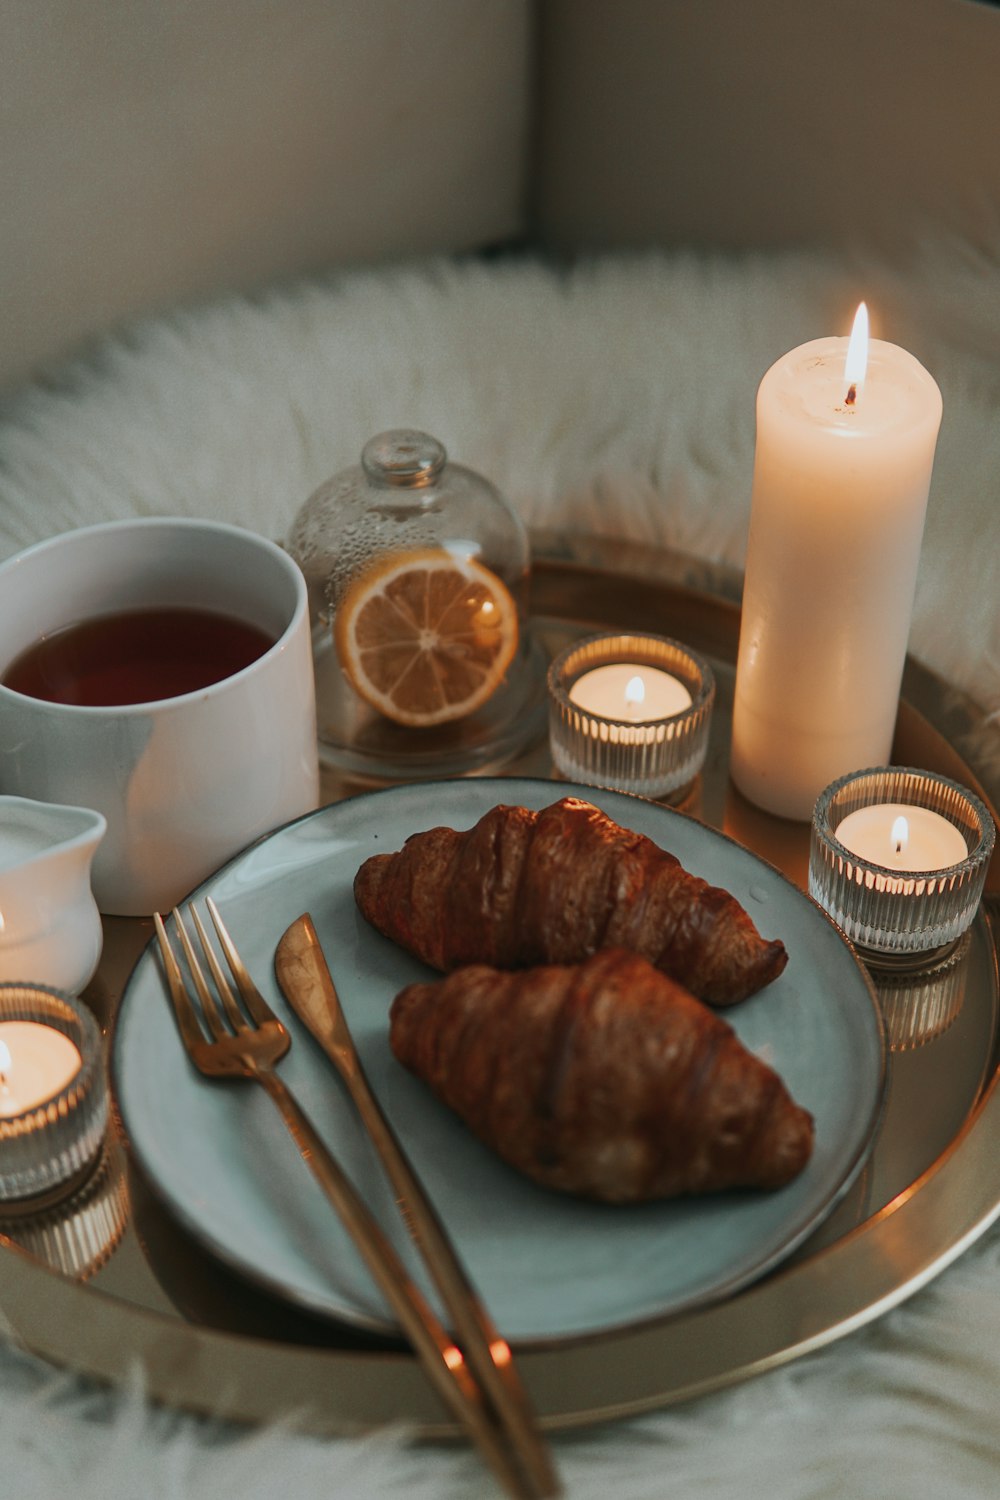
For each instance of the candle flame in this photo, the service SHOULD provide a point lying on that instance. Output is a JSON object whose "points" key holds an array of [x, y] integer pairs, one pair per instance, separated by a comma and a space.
{"points": [[856, 363], [4, 1058], [900, 835], [635, 691]]}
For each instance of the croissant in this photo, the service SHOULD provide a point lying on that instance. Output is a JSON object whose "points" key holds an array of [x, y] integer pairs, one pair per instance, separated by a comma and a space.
{"points": [[523, 888], [604, 1079]]}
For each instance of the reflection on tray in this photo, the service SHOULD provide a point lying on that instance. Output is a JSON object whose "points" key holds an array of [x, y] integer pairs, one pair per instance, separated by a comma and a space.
{"points": [[920, 1004], [782, 843], [78, 1236], [209, 1294], [941, 1023]]}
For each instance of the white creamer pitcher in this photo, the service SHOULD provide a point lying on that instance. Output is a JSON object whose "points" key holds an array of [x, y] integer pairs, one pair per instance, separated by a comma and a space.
{"points": [[50, 928]]}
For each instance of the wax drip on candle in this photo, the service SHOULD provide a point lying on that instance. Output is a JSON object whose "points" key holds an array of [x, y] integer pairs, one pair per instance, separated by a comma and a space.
{"points": [[900, 834], [856, 362]]}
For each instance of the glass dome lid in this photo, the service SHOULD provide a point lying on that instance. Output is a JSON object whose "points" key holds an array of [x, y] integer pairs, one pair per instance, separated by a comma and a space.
{"points": [[418, 571]]}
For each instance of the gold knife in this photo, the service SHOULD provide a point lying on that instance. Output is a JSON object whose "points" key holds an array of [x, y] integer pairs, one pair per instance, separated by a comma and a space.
{"points": [[307, 984]]}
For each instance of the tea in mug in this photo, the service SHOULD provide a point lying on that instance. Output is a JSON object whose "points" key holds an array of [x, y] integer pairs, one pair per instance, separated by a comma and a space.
{"points": [[136, 656]]}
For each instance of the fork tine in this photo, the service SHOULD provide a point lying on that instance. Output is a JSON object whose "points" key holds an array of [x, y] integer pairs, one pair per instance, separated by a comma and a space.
{"points": [[236, 1017], [213, 1018], [252, 997], [190, 1027]]}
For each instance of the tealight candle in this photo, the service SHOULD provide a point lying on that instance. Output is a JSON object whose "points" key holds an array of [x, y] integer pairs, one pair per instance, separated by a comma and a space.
{"points": [[36, 1062], [846, 435], [630, 693], [631, 712], [898, 857], [53, 1094], [903, 837]]}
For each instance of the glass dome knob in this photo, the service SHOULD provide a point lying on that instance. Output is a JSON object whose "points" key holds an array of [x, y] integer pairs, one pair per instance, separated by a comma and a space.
{"points": [[403, 457]]}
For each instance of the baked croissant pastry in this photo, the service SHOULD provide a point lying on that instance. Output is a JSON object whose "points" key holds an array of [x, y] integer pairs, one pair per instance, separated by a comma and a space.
{"points": [[604, 1079], [554, 886]]}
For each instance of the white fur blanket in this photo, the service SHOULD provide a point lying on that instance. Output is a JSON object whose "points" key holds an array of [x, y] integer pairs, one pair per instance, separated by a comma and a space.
{"points": [[617, 398], [613, 398]]}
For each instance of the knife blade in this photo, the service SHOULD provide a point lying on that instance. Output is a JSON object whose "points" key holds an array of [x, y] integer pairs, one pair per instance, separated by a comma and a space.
{"points": [[306, 982]]}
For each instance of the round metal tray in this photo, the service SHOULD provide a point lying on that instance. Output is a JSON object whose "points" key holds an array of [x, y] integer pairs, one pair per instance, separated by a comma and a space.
{"points": [[109, 1281]]}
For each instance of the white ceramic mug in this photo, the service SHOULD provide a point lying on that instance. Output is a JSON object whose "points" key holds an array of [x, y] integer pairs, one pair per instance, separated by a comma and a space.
{"points": [[183, 782]]}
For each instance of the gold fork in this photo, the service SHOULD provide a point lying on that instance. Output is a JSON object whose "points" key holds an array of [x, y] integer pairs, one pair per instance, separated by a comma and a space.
{"points": [[246, 1044]]}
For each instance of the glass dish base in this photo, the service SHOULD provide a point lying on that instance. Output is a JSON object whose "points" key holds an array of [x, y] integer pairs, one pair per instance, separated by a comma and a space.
{"points": [[361, 744]]}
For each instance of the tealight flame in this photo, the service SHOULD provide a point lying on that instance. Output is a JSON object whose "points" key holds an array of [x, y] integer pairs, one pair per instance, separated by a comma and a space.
{"points": [[5, 1060], [900, 835], [635, 692], [856, 363]]}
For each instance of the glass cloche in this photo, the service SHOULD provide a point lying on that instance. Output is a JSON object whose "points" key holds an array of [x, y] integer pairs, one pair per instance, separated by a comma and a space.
{"points": [[418, 570]]}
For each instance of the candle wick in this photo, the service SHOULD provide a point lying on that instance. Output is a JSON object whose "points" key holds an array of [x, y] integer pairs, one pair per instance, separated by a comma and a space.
{"points": [[899, 846], [849, 400]]}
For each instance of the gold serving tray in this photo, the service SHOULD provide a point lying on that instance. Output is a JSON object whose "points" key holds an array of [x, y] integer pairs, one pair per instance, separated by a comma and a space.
{"points": [[109, 1283]]}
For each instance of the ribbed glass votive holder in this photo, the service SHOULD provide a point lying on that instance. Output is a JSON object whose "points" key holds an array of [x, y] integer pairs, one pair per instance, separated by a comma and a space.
{"points": [[619, 748], [49, 1140], [900, 916]]}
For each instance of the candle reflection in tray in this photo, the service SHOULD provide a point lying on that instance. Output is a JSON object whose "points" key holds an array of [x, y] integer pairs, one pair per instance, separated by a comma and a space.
{"points": [[919, 1005], [78, 1236]]}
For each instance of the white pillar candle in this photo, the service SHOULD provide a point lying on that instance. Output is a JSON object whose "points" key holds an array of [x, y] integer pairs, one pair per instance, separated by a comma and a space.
{"points": [[36, 1063], [841, 477], [630, 693], [900, 836]]}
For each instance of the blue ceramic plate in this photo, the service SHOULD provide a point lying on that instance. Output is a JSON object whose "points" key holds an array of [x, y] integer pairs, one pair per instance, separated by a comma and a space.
{"points": [[551, 1268]]}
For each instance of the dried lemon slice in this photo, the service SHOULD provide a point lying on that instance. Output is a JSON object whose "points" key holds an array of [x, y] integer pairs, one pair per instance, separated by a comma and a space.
{"points": [[426, 636]]}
